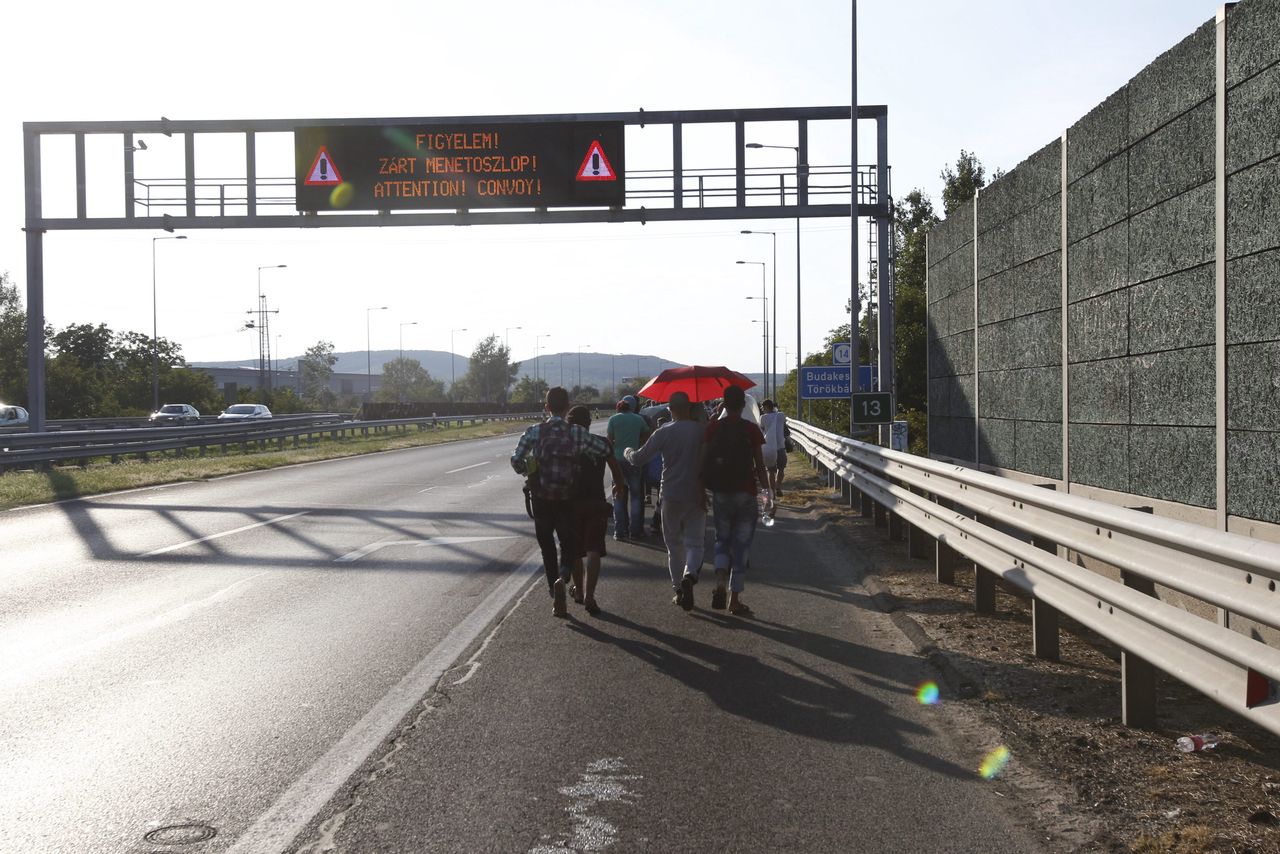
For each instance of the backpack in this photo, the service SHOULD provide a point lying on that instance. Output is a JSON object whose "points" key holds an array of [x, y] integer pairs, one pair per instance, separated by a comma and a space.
{"points": [[729, 462], [557, 462]]}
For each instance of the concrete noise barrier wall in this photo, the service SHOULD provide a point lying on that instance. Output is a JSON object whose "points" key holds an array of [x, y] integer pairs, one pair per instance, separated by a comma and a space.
{"points": [[1106, 316]]}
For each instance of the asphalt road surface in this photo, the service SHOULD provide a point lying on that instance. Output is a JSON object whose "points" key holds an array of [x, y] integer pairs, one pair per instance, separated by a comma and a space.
{"points": [[358, 655]]}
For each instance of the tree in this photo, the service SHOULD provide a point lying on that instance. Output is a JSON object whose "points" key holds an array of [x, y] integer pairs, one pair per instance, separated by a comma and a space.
{"points": [[13, 343], [489, 375], [913, 216], [584, 394], [529, 392], [962, 183], [315, 370], [406, 381]]}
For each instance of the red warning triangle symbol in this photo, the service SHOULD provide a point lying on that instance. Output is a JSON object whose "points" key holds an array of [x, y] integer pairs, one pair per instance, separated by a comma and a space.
{"points": [[322, 172], [595, 166]]}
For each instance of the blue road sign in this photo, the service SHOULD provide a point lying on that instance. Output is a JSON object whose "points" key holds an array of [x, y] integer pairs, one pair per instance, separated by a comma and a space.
{"points": [[829, 382]]}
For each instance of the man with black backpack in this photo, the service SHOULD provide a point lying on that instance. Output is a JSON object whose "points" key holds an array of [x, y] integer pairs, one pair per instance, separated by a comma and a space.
{"points": [[548, 455], [732, 466]]}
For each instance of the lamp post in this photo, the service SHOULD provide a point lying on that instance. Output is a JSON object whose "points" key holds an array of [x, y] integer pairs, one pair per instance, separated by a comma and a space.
{"points": [[580, 346], [453, 371], [368, 351], [506, 338], [264, 341], [772, 378], [765, 307], [155, 337], [537, 358], [801, 169], [402, 326]]}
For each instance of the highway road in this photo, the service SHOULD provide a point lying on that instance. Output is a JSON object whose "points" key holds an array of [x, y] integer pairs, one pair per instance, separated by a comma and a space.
{"points": [[254, 664], [218, 655]]}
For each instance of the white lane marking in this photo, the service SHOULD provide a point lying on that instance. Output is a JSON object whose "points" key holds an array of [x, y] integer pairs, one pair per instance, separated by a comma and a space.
{"points": [[472, 466], [173, 615], [428, 489], [276, 829], [602, 783], [167, 549], [486, 480], [364, 551]]}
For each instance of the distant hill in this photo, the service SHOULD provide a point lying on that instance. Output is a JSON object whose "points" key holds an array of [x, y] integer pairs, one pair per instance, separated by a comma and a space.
{"points": [[602, 370]]}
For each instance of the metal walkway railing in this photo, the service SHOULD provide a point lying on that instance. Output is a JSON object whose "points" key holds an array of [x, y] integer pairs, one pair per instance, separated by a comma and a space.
{"points": [[1030, 537]]}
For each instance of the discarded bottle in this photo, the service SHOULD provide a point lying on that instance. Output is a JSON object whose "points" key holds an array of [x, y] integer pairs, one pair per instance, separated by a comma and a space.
{"points": [[1196, 743], [765, 502]]}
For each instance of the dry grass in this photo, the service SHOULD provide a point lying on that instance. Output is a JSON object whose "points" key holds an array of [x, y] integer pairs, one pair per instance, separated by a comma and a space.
{"points": [[21, 489], [1192, 839]]}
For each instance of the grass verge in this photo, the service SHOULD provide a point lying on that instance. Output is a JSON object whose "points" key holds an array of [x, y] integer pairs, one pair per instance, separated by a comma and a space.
{"points": [[21, 489]]}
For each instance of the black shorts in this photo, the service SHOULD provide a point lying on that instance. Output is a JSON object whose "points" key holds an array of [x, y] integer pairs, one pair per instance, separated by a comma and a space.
{"points": [[591, 518]]}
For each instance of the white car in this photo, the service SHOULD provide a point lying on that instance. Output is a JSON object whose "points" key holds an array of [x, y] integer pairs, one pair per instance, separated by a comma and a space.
{"points": [[13, 416], [245, 412]]}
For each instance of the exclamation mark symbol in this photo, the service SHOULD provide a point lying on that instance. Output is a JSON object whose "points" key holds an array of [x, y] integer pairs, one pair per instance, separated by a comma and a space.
{"points": [[324, 168], [595, 163]]}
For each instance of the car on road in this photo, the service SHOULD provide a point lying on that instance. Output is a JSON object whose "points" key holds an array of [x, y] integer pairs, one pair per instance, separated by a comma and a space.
{"points": [[13, 416], [175, 414], [245, 412]]}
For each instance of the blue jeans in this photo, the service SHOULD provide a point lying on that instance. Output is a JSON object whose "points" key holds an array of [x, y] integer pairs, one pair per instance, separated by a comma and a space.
{"points": [[734, 517], [621, 525]]}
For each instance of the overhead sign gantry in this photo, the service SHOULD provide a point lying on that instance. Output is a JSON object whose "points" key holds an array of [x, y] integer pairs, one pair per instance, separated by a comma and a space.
{"points": [[462, 170]]}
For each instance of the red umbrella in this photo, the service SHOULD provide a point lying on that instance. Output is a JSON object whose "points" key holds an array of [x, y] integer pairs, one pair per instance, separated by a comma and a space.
{"points": [[700, 382]]}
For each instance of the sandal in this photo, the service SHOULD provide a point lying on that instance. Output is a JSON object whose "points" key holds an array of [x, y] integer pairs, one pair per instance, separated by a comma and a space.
{"points": [[718, 597], [591, 606], [575, 594], [740, 610]]}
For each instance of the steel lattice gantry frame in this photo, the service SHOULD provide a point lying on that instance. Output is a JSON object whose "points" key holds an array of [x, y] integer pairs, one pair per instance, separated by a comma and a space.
{"points": [[682, 193]]}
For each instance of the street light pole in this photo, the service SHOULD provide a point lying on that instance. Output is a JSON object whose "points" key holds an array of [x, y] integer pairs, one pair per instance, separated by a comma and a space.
{"points": [[368, 352], [773, 377], [537, 359], [264, 343], [155, 336], [506, 338], [765, 298], [402, 326], [799, 174], [580, 346], [453, 371]]}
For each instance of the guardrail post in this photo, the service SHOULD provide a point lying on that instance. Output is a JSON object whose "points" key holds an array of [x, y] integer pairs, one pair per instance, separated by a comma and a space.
{"points": [[1137, 676], [984, 590], [917, 542], [880, 514], [1044, 617], [868, 506]]}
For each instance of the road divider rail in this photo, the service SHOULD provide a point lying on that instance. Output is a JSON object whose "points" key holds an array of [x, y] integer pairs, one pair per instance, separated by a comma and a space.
{"points": [[1031, 538], [28, 449]]}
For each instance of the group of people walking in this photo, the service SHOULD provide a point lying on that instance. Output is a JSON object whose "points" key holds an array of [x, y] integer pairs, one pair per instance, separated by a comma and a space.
{"points": [[731, 458]]}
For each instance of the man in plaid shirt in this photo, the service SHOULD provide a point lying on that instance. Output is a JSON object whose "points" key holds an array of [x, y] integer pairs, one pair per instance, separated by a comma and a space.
{"points": [[552, 500]]}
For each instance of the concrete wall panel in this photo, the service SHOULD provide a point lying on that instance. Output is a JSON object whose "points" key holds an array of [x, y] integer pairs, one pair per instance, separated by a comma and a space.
{"points": [[951, 234], [1178, 80], [1253, 383], [1253, 298], [953, 313], [1174, 387], [1176, 311], [1252, 474], [1098, 328], [1100, 456], [1252, 30], [1099, 199], [996, 443], [1038, 448], [1098, 264], [1030, 341], [1024, 289], [1033, 394], [951, 274], [1173, 160], [1172, 463], [1100, 135], [1099, 393], [1253, 209], [1174, 235], [1253, 120]]}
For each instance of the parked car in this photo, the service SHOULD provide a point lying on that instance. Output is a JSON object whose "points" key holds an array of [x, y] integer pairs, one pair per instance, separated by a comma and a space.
{"points": [[172, 414], [13, 416], [245, 412]]}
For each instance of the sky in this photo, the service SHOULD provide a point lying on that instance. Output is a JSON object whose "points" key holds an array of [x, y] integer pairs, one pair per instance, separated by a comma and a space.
{"points": [[1000, 78]]}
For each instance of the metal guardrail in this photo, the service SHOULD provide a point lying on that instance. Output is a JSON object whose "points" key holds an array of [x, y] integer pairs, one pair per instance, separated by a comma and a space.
{"points": [[27, 449], [1024, 535], [137, 422]]}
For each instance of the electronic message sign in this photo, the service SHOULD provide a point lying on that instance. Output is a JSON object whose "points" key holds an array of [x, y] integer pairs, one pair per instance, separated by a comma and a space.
{"points": [[459, 166]]}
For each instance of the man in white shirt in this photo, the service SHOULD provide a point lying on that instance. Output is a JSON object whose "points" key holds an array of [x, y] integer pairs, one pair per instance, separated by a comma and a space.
{"points": [[774, 426]]}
